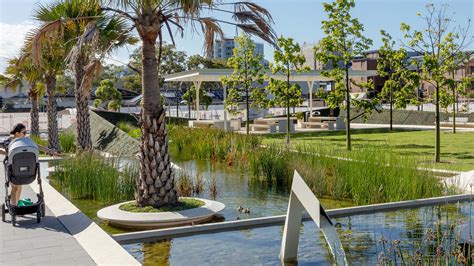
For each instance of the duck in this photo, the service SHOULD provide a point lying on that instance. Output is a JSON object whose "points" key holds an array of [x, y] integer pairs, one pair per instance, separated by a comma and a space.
{"points": [[247, 210], [240, 209]]}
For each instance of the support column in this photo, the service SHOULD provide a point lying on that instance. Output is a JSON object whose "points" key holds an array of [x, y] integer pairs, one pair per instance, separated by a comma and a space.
{"points": [[310, 86], [225, 111], [197, 86]]}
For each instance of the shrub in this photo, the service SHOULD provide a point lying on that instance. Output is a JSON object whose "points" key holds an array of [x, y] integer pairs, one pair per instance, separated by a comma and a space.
{"points": [[130, 129]]}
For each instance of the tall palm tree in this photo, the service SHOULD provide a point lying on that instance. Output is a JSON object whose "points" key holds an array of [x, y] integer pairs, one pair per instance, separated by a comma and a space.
{"points": [[152, 19], [19, 70], [87, 33], [46, 48]]}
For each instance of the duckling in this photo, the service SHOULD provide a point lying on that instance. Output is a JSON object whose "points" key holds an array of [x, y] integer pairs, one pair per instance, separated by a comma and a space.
{"points": [[240, 209], [247, 210]]}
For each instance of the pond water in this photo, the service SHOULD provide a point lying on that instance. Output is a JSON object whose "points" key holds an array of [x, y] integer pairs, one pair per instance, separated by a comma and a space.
{"points": [[361, 237], [235, 188]]}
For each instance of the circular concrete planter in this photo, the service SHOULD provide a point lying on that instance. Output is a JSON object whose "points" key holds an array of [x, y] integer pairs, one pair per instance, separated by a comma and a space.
{"points": [[142, 220]]}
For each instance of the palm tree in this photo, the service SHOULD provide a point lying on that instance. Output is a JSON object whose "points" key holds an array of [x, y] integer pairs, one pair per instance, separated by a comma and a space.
{"points": [[45, 48], [86, 34], [16, 72], [152, 19]]}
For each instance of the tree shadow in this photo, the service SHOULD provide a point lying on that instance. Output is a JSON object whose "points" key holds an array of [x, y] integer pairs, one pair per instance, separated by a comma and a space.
{"points": [[105, 138], [413, 146]]}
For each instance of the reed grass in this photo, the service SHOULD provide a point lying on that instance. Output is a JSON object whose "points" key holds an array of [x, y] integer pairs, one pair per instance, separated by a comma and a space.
{"points": [[365, 176], [91, 176], [212, 144], [67, 141], [213, 187], [184, 184]]}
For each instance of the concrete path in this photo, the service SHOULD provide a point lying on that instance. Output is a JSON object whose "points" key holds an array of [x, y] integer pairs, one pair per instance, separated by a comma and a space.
{"points": [[46, 243]]}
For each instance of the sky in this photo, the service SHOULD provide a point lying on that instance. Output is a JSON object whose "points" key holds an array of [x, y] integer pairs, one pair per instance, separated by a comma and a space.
{"points": [[299, 19]]}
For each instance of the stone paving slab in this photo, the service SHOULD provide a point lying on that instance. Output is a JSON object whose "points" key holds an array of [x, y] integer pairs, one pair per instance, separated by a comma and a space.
{"points": [[46, 243]]}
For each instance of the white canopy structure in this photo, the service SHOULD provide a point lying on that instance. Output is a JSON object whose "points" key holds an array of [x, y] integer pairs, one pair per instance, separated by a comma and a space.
{"points": [[216, 75]]}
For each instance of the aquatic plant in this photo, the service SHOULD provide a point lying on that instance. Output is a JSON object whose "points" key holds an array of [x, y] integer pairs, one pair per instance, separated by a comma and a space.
{"points": [[184, 184], [198, 184], [212, 144], [213, 187], [365, 176], [91, 176], [67, 142]]}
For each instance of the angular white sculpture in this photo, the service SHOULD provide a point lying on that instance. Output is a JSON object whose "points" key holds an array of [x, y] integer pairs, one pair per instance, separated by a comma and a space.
{"points": [[302, 198]]}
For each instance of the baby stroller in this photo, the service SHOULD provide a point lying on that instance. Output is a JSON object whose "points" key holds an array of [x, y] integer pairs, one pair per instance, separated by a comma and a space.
{"points": [[22, 168]]}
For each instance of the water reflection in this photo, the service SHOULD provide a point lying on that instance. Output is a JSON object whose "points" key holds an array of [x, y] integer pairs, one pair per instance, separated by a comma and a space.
{"points": [[362, 238]]}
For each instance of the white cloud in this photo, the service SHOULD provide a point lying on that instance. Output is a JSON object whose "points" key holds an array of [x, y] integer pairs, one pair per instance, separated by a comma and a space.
{"points": [[12, 39]]}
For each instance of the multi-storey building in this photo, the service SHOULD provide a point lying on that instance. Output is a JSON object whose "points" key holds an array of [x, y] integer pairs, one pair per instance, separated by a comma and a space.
{"points": [[369, 62], [224, 48]]}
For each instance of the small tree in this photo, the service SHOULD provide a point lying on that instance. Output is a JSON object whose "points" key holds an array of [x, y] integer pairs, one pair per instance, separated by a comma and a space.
{"points": [[343, 41], [401, 82], [107, 94], [454, 87], [434, 44], [203, 97], [248, 74], [288, 60]]}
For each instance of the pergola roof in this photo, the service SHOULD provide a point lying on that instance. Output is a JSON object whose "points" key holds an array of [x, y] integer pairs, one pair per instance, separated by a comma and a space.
{"points": [[216, 75]]}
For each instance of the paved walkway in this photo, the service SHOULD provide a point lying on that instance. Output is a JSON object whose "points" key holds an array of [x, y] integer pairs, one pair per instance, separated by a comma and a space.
{"points": [[46, 243]]}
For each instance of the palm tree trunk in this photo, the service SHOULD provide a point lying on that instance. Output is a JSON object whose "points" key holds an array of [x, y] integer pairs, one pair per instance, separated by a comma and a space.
{"points": [[34, 114], [53, 139], [83, 136], [156, 182]]}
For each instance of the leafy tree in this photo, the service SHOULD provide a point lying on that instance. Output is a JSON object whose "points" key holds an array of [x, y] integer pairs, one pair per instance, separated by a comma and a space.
{"points": [[203, 97], [441, 44], [194, 61], [247, 78], [454, 87], [343, 41], [172, 61], [107, 94], [152, 19], [288, 60], [401, 81]]}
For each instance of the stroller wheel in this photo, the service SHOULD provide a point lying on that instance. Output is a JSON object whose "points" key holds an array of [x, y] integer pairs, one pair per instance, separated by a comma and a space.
{"points": [[38, 217], [43, 210], [14, 220], [3, 212]]}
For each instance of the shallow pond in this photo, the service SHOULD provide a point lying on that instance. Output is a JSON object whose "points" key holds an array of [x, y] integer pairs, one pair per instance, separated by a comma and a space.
{"points": [[235, 188], [361, 237]]}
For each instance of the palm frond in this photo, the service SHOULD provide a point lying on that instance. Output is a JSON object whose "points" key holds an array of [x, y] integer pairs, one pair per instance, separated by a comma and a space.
{"points": [[91, 70], [51, 29], [210, 27]]}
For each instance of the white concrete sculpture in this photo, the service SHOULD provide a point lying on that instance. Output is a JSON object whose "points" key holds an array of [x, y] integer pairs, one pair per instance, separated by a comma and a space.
{"points": [[302, 198]]}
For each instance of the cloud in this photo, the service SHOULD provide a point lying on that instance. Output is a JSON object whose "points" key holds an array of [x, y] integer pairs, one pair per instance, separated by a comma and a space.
{"points": [[13, 36]]}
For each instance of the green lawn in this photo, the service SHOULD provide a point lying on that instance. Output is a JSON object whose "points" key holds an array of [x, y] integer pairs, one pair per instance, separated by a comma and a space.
{"points": [[457, 150]]}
